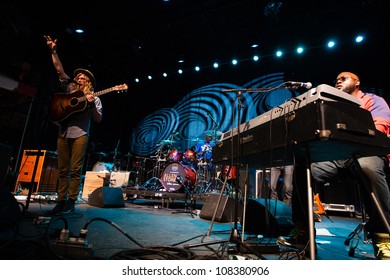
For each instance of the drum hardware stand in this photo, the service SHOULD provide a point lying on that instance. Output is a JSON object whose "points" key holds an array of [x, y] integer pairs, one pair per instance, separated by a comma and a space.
{"points": [[234, 237], [188, 193], [115, 160], [154, 186]]}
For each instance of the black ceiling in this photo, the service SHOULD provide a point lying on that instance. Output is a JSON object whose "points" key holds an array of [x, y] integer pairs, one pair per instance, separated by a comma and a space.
{"points": [[125, 39]]}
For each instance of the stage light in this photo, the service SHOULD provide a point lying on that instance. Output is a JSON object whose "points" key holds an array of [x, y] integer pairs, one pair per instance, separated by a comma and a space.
{"points": [[300, 50], [180, 71], [255, 58], [359, 39], [197, 68], [331, 44], [136, 80], [165, 74], [149, 77], [279, 53], [215, 65], [234, 61]]}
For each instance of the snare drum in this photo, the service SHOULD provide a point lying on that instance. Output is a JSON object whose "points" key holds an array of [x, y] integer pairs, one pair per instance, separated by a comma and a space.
{"points": [[102, 167], [171, 173]]}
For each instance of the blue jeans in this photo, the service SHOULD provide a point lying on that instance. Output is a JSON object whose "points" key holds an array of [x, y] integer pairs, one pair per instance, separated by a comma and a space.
{"points": [[373, 168]]}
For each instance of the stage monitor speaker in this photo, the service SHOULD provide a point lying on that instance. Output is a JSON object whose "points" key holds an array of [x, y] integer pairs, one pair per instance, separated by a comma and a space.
{"points": [[225, 212], [268, 217], [107, 197]]}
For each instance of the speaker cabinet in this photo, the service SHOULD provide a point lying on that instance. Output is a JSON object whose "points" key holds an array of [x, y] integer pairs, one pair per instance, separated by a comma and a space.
{"points": [[46, 171], [225, 212], [268, 217], [94, 180], [339, 192], [107, 197]]}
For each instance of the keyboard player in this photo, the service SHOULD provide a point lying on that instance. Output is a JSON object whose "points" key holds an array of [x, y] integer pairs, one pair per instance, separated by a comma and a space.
{"points": [[373, 167]]}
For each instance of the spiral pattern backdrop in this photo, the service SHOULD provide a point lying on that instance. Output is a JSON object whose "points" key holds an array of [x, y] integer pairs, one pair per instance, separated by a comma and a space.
{"points": [[210, 108]]}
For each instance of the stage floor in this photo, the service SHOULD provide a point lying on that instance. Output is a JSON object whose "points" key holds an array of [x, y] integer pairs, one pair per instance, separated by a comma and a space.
{"points": [[148, 228]]}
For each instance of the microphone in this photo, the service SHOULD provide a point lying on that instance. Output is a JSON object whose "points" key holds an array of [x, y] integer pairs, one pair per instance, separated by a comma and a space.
{"points": [[179, 180], [307, 85]]}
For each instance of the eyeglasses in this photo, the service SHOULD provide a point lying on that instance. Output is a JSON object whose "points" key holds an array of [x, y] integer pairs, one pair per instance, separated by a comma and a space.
{"points": [[343, 79]]}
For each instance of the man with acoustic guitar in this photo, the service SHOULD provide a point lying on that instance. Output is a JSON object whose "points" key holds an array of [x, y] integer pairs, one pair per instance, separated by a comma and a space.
{"points": [[73, 130]]}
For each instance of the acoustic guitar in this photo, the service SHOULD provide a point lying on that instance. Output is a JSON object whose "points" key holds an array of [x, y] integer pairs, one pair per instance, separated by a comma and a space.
{"points": [[64, 105]]}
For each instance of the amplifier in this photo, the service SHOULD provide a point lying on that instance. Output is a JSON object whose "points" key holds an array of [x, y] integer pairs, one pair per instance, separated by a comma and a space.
{"points": [[46, 171]]}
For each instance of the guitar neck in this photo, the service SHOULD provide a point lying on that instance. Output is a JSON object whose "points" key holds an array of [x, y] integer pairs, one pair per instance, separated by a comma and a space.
{"points": [[101, 92]]}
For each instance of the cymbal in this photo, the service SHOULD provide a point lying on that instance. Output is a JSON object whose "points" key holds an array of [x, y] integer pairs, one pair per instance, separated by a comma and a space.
{"points": [[212, 133], [101, 154], [168, 141]]}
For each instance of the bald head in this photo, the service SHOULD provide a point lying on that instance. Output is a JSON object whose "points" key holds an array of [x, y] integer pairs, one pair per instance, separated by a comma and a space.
{"points": [[348, 82]]}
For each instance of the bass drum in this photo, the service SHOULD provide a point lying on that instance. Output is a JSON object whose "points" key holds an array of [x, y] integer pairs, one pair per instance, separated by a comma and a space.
{"points": [[102, 167], [174, 172]]}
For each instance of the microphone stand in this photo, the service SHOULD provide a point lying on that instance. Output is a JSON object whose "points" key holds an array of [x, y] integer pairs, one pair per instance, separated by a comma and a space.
{"points": [[234, 235], [187, 209]]}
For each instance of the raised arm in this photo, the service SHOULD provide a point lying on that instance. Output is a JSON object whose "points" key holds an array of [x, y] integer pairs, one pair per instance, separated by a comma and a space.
{"points": [[52, 45]]}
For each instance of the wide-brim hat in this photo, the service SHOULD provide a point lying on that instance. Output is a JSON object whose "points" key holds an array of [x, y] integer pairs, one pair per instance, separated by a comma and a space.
{"points": [[87, 73]]}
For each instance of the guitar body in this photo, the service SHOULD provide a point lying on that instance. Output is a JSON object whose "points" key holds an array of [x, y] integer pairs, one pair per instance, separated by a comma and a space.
{"points": [[63, 105]]}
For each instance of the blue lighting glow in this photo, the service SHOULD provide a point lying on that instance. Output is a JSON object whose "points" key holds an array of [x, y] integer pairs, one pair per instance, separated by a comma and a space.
{"points": [[331, 44], [359, 39]]}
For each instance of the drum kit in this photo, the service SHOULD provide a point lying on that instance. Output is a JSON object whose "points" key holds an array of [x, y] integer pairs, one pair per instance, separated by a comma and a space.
{"points": [[176, 168], [171, 168], [119, 162]]}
